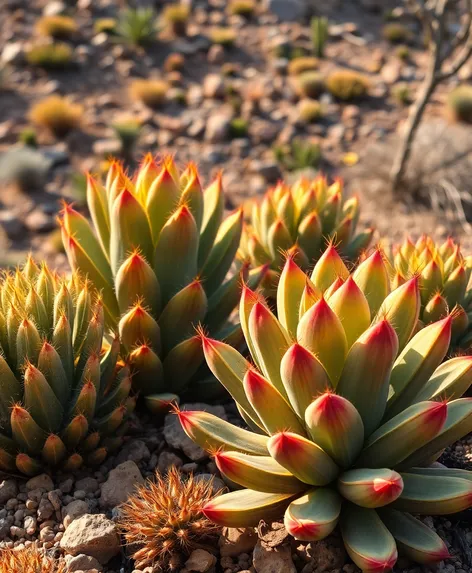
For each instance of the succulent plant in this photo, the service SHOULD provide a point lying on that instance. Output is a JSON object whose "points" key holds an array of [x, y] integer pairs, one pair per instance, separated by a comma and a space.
{"points": [[319, 35], [301, 219], [159, 251], [63, 396], [347, 411], [137, 26], [163, 519], [29, 560], [444, 275]]}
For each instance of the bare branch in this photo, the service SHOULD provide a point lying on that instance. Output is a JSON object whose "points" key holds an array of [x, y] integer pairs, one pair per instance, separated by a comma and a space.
{"points": [[464, 34], [461, 59]]}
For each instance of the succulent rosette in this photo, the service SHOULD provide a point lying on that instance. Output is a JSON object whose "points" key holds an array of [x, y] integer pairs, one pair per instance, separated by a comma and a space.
{"points": [[348, 408], [444, 274], [301, 219], [64, 397], [159, 250]]}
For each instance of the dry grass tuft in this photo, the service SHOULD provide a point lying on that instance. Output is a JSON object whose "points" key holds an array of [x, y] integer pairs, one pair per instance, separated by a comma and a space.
{"points": [[29, 560], [163, 519], [347, 85], [57, 114], [152, 93], [59, 27]]}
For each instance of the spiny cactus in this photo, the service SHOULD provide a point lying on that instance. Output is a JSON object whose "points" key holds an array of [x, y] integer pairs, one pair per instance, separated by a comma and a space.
{"points": [[29, 560], [302, 219], [352, 409], [444, 274], [164, 520], [63, 397], [160, 251]]}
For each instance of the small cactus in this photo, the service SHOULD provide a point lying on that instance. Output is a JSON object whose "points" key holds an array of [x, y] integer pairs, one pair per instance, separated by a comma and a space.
{"points": [[319, 35], [163, 520]]}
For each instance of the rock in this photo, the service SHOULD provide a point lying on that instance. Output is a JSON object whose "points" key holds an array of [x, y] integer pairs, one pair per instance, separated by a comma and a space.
{"points": [[391, 72], [121, 482], [88, 484], [82, 562], [287, 10], [201, 561], [13, 227], [327, 554], [214, 86], [92, 535], [8, 490], [175, 436], [217, 128], [236, 540], [216, 54], [135, 451], [218, 484], [39, 222], [167, 460], [105, 147], [74, 510], [54, 497], [45, 509], [196, 128], [273, 534], [273, 560], [54, 8], [268, 169], [12, 53], [30, 524], [43, 481]]}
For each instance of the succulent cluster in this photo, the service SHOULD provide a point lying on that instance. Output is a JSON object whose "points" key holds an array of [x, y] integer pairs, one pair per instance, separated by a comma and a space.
{"points": [[164, 519], [301, 220], [444, 275], [159, 251], [29, 560], [63, 394], [348, 405]]}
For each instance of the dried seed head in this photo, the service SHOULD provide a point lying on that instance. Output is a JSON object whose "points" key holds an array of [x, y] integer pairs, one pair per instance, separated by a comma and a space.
{"points": [[164, 519]]}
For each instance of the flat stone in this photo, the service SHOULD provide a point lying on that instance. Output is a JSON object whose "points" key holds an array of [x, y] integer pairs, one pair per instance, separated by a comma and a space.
{"points": [[92, 535], [135, 451], [8, 490], [200, 561], [74, 510], [287, 10], [82, 562], [43, 481], [236, 540], [121, 483], [12, 53], [273, 560]]}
